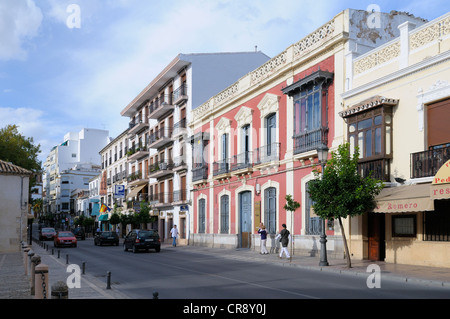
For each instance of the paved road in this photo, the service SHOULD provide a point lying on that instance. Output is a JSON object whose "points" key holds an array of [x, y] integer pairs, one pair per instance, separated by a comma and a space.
{"points": [[192, 273]]}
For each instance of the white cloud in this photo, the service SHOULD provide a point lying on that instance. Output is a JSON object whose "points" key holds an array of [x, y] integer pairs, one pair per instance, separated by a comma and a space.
{"points": [[34, 123], [19, 21]]}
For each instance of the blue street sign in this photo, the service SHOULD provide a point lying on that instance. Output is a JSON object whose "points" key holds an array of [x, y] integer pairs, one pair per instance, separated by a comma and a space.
{"points": [[119, 191]]}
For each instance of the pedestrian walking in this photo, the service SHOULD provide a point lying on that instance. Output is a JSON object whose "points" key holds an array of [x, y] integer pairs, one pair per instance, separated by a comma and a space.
{"points": [[284, 236], [263, 232], [174, 234]]}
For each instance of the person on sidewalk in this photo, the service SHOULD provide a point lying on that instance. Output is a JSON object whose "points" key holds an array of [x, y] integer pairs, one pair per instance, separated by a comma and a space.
{"points": [[284, 236], [174, 234], [263, 232]]}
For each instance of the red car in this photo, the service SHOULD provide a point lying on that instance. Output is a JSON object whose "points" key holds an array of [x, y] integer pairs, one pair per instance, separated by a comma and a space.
{"points": [[47, 233], [64, 239]]}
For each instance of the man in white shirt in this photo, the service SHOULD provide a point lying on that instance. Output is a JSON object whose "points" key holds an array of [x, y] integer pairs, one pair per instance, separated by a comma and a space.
{"points": [[174, 234]]}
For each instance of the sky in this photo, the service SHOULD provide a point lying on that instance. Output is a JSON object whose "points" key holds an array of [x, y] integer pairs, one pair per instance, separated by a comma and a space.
{"points": [[66, 65]]}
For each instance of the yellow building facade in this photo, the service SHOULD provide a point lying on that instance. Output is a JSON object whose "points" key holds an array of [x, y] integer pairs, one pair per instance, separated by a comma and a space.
{"points": [[396, 108]]}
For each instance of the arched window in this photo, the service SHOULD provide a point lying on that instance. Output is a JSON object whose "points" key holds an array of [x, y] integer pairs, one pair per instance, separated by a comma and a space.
{"points": [[270, 210], [312, 221], [224, 214], [201, 215]]}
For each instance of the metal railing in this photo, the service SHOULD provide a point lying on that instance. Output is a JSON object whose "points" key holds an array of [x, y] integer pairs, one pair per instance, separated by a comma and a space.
{"points": [[267, 153], [427, 163], [241, 161], [200, 172], [310, 140], [221, 167], [380, 169]]}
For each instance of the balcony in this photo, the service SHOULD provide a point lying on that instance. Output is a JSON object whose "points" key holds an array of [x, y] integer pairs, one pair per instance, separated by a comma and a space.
{"points": [[162, 199], [160, 138], [136, 153], [179, 163], [136, 179], [267, 154], [180, 197], [221, 169], [160, 169], [427, 163], [200, 173], [380, 169], [136, 126], [310, 140], [241, 163], [179, 129], [160, 107], [180, 95]]}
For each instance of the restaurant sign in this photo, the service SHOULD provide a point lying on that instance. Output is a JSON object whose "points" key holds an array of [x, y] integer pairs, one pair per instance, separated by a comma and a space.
{"points": [[440, 187]]}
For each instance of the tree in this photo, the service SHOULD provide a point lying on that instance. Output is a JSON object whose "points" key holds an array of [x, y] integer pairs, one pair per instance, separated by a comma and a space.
{"points": [[115, 219], [341, 192], [18, 149], [143, 217], [291, 206]]}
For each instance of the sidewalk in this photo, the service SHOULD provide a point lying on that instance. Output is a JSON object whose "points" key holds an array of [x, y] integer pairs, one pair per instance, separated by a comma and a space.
{"points": [[15, 285]]}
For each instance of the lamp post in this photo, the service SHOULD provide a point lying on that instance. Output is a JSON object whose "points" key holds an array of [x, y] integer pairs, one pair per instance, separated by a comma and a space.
{"points": [[322, 154]]}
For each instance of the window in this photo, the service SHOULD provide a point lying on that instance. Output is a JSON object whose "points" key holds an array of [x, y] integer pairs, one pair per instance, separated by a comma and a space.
{"points": [[224, 214], [271, 136], [224, 147], [310, 110], [201, 215], [437, 223], [370, 129], [404, 226], [313, 222], [270, 210]]}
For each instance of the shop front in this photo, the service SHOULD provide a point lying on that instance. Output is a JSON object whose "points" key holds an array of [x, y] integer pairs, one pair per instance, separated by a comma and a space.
{"points": [[411, 223]]}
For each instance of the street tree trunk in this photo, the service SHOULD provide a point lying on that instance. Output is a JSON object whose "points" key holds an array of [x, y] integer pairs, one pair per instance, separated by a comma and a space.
{"points": [[347, 254]]}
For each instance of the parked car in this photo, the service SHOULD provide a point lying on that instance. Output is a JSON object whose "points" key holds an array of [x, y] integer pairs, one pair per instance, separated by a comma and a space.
{"points": [[64, 239], [79, 233], [47, 233], [139, 239], [106, 237]]}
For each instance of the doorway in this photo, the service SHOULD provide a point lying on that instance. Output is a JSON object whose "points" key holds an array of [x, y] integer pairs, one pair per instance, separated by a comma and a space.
{"points": [[245, 219], [376, 236]]}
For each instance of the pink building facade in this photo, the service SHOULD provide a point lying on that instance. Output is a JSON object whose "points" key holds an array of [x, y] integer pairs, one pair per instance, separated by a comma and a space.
{"points": [[258, 140]]}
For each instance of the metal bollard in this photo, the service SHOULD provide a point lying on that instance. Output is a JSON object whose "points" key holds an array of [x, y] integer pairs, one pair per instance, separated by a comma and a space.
{"points": [[59, 253], [108, 280], [41, 282], [60, 290], [84, 268], [67, 259]]}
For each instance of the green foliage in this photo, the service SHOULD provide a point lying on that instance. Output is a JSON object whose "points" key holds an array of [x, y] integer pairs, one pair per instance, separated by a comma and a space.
{"points": [[341, 191], [18, 149], [115, 219], [291, 205]]}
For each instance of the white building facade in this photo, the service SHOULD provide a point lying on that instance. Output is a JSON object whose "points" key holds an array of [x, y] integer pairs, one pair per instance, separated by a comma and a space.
{"points": [[161, 159]]}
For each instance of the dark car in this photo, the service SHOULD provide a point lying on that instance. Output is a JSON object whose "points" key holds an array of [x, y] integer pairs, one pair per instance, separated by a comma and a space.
{"points": [[106, 237], [47, 233], [64, 239], [139, 239], [79, 233]]}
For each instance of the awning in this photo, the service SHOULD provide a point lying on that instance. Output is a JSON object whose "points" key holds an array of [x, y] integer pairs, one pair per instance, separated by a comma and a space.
{"points": [[440, 188], [135, 191], [103, 218], [404, 199]]}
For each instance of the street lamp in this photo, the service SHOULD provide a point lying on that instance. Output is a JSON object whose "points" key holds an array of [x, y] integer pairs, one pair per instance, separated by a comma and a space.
{"points": [[322, 154]]}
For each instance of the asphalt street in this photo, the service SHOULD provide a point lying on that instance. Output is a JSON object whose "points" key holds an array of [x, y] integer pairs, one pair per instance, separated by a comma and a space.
{"points": [[196, 273]]}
